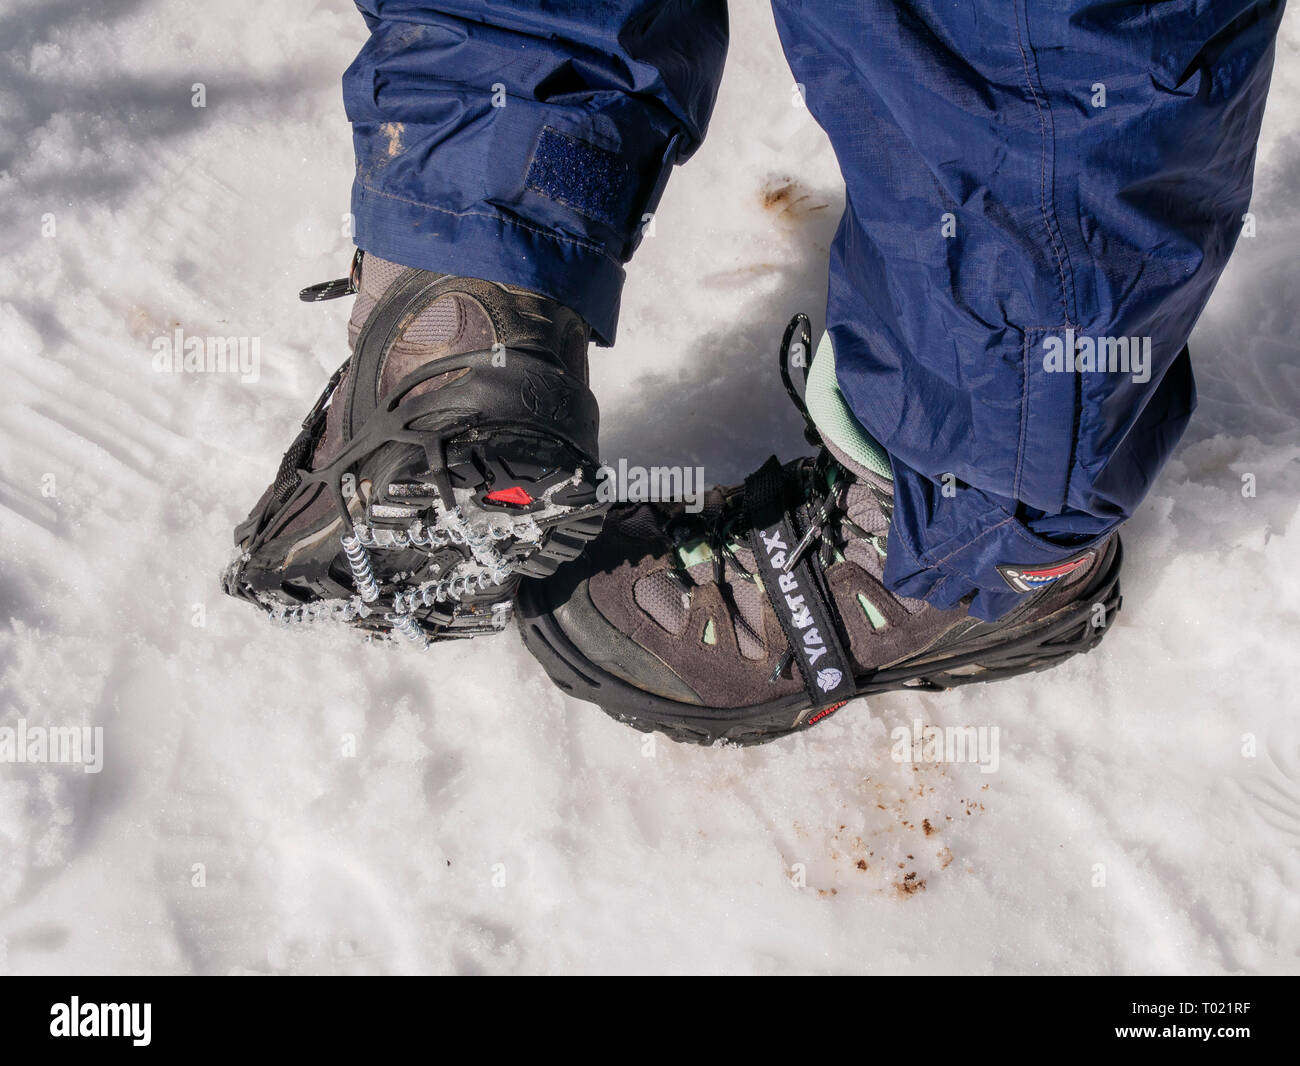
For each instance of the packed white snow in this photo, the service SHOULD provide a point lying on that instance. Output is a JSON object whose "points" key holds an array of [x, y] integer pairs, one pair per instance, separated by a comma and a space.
{"points": [[275, 802]]}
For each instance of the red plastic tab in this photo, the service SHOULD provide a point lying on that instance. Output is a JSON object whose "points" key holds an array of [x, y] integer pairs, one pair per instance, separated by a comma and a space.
{"points": [[514, 495]]}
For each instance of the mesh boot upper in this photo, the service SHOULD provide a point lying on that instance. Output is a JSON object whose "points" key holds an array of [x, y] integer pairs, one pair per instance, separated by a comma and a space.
{"points": [[659, 588]]}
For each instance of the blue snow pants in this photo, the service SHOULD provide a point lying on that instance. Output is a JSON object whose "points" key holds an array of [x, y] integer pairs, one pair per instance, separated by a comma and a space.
{"points": [[1023, 178]]}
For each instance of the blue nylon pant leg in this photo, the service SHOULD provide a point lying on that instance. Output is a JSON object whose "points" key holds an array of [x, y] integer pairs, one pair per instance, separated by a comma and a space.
{"points": [[524, 142], [992, 204]]}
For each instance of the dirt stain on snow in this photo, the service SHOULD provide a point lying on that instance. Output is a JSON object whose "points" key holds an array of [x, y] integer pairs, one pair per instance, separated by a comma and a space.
{"points": [[789, 200], [879, 838], [909, 885]]}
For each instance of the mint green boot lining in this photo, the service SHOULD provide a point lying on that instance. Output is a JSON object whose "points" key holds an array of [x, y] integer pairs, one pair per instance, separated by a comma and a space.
{"points": [[833, 418]]}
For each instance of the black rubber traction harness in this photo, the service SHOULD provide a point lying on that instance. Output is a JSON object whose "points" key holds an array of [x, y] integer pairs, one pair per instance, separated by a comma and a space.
{"points": [[796, 596]]}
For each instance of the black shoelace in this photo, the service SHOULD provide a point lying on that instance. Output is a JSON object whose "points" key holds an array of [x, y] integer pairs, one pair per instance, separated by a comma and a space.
{"points": [[825, 486]]}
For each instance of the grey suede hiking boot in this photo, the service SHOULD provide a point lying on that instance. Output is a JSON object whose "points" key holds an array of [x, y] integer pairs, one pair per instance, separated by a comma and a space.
{"points": [[767, 612], [453, 453]]}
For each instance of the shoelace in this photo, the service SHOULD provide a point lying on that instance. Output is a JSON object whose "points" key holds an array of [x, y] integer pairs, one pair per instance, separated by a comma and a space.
{"points": [[826, 485], [828, 505]]}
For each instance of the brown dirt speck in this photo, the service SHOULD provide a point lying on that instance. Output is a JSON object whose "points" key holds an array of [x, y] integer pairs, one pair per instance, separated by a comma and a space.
{"points": [[788, 199], [909, 885]]}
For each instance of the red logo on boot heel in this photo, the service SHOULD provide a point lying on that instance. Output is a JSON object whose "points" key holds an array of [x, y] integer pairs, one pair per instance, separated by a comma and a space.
{"points": [[1031, 578]]}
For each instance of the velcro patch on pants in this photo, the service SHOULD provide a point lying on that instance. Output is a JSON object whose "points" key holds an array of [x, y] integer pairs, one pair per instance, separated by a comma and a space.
{"points": [[592, 180]]}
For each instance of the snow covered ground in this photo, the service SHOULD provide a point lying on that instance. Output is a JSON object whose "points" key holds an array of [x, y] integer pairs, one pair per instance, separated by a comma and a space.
{"points": [[484, 823]]}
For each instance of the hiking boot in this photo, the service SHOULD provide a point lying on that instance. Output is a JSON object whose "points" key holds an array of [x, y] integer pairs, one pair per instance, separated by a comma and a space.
{"points": [[454, 452], [766, 612]]}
